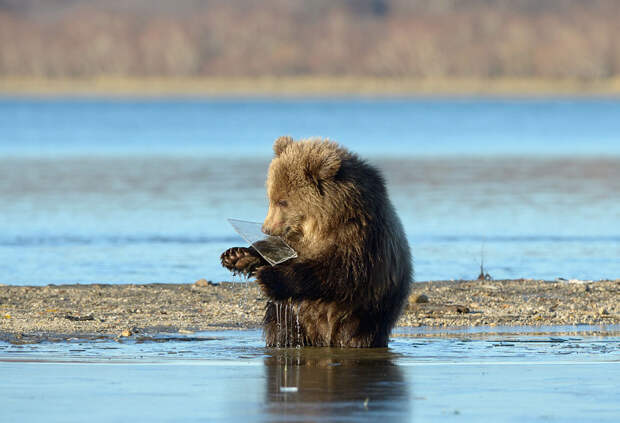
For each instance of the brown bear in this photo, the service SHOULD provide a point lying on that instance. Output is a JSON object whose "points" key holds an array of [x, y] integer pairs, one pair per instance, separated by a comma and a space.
{"points": [[353, 272]]}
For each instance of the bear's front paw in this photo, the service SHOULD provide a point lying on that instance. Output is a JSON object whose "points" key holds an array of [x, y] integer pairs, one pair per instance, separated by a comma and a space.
{"points": [[241, 260]]}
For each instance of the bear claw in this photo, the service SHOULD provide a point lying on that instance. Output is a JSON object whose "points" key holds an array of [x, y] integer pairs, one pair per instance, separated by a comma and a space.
{"points": [[241, 260]]}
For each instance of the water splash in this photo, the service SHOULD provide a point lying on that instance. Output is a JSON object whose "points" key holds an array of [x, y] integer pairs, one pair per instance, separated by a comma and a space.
{"points": [[299, 341], [286, 308], [278, 324], [288, 326], [246, 293]]}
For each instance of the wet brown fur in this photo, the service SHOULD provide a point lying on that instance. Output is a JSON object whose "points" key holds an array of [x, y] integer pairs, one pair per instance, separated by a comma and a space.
{"points": [[351, 278]]}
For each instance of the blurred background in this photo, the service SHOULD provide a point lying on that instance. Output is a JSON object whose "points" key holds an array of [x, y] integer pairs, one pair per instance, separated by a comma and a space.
{"points": [[380, 38], [130, 130]]}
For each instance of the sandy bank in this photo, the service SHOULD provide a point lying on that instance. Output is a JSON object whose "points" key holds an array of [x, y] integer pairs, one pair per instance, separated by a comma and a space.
{"points": [[62, 311], [110, 86]]}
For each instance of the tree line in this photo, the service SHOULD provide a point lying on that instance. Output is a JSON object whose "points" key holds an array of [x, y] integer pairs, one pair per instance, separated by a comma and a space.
{"points": [[376, 38]]}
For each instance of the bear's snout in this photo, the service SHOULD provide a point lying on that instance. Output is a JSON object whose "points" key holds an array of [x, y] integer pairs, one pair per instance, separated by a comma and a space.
{"points": [[266, 229], [273, 229], [273, 222]]}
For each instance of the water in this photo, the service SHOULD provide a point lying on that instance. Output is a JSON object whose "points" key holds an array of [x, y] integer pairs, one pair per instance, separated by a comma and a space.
{"points": [[233, 127], [512, 374], [139, 190]]}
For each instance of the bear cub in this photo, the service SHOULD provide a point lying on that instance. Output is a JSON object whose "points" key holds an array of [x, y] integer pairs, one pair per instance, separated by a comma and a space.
{"points": [[351, 279]]}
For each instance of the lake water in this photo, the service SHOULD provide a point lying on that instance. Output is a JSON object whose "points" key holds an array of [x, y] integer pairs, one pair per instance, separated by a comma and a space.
{"points": [[567, 374], [129, 190]]}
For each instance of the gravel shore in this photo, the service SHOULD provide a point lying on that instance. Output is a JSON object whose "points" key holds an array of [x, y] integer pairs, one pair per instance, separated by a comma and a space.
{"points": [[58, 312]]}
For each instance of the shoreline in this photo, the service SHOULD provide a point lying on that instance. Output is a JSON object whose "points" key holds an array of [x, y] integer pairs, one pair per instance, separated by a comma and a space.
{"points": [[61, 312], [312, 86]]}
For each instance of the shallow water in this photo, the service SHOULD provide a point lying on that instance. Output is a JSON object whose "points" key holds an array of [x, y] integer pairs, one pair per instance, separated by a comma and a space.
{"points": [[137, 191], [164, 219], [514, 374]]}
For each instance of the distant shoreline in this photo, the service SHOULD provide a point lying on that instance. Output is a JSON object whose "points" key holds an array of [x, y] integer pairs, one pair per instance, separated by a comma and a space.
{"points": [[58, 312], [109, 86]]}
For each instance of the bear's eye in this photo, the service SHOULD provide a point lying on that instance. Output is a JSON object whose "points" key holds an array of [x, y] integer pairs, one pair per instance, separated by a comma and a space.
{"points": [[282, 203]]}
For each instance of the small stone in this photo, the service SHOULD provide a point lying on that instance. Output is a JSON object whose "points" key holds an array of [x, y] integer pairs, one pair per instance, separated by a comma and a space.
{"points": [[603, 311], [186, 331], [203, 283], [421, 299], [126, 333], [79, 318], [461, 309]]}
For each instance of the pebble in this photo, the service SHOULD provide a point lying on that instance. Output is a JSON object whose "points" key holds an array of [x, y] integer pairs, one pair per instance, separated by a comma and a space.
{"points": [[420, 299], [126, 333], [203, 282]]}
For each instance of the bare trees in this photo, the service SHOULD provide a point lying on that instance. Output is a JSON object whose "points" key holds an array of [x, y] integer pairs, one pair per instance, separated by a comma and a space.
{"points": [[387, 38]]}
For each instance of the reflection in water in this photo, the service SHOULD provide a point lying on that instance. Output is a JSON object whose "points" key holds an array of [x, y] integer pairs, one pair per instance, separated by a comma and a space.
{"points": [[308, 384]]}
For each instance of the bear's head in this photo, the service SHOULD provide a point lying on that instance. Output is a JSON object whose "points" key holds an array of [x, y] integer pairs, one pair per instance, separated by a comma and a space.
{"points": [[307, 194]]}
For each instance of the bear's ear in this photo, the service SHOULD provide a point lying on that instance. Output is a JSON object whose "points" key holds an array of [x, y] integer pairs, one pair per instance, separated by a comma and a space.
{"points": [[329, 166], [323, 167], [281, 143]]}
